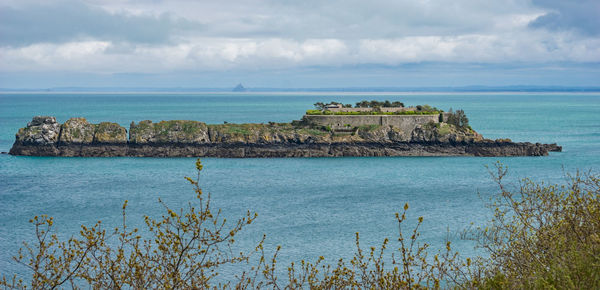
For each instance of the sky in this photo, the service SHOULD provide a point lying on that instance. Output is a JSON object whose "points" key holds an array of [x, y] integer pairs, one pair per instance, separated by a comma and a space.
{"points": [[295, 44]]}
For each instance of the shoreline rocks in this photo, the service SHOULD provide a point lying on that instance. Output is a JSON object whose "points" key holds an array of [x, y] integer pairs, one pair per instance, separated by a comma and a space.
{"points": [[44, 136]]}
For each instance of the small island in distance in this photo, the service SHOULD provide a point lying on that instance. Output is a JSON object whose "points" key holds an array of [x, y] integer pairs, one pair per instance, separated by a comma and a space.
{"points": [[370, 128], [239, 88]]}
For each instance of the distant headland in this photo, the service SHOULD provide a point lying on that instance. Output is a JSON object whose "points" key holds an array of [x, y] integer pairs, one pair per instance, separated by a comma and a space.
{"points": [[239, 88], [369, 128]]}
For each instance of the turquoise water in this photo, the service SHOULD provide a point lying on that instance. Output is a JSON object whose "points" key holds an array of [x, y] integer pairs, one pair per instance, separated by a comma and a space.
{"points": [[311, 206]]}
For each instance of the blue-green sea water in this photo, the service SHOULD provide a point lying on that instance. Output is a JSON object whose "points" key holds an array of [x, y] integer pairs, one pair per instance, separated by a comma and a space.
{"points": [[310, 206]]}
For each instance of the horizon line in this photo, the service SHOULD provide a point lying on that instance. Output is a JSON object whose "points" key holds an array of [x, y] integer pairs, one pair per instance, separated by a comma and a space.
{"points": [[391, 89]]}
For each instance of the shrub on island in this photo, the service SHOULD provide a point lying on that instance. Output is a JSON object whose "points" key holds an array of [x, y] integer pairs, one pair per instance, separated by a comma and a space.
{"points": [[366, 113]]}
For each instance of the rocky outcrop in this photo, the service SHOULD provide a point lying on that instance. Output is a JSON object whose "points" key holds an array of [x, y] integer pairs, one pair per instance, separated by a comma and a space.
{"points": [[443, 132], [110, 133], [77, 131], [39, 138], [43, 136], [42, 130], [184, 132]]}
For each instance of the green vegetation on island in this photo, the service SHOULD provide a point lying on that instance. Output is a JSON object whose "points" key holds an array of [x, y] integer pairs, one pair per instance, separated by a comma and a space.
{"points": [[540, 236], [327, 112], [363, 104], [371, 108]]}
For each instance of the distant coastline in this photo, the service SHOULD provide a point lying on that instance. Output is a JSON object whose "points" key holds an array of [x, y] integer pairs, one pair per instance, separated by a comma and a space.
{"points": [[441, 89]]}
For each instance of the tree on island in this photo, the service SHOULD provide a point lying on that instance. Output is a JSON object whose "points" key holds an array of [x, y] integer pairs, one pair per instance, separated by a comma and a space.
{"points": [[458, 119], [378, 104], [321, 106], [362, 104]]}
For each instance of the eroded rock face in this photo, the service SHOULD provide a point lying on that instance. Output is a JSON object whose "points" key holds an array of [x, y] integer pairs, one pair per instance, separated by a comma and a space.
{"points": [[111, 133], [187, 132], [443, 132], [179, 131], [142, 132], [41, 130], [374, 134], [397, 135], [77, 131]]}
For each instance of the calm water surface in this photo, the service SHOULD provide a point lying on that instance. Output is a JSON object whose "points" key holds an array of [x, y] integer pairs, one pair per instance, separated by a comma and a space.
{"points": [[311, 206]]}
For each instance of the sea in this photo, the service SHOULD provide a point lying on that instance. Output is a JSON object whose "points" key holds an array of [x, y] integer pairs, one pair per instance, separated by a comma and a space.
{"points": [[310, 206]]}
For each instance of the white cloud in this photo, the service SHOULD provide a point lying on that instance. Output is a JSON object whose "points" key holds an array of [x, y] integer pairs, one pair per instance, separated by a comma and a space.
{"points": [[66, 55], [219, 54], [115, 36]]}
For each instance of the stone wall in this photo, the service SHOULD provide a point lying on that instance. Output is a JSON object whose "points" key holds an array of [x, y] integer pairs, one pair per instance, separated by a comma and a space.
{"points": [[406, 123]]}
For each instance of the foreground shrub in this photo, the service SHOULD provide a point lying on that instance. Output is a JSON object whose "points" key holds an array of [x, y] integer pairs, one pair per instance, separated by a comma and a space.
{"points": [[543, 236], [185, 248], [182, 249], [540, 236]]}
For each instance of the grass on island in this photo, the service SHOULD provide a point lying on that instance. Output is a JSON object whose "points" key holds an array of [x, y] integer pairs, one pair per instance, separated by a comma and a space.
{"points": [[320, 112], [110, 130], [187, 127]]}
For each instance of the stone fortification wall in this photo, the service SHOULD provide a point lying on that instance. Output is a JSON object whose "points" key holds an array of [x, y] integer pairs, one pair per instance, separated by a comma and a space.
{"points": [[406, 123]]}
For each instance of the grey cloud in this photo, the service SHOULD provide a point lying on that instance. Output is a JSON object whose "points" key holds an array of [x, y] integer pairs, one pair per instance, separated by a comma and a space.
{"points": [[580, 15], [234, 35], [343, 19], [66, 21], [378, 19]]}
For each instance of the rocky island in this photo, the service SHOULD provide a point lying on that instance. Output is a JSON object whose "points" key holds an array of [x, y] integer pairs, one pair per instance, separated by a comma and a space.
{"points": [[329, 131]]}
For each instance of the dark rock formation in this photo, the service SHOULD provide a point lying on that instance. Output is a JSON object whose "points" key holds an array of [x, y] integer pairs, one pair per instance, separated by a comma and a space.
{"points": [[43, 136]]}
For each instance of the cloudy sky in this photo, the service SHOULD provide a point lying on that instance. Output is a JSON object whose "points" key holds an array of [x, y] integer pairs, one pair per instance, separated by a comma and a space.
{"points": [[268, 43]]}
